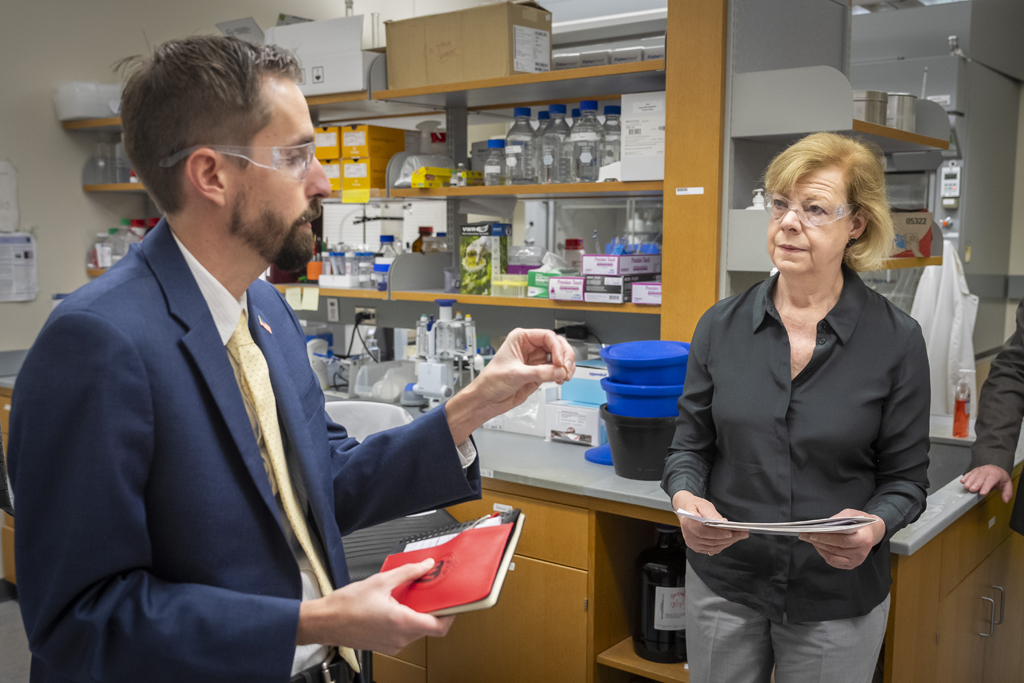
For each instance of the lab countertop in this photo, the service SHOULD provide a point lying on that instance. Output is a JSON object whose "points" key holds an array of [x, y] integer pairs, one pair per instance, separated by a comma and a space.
{"points": [[7, 381]]}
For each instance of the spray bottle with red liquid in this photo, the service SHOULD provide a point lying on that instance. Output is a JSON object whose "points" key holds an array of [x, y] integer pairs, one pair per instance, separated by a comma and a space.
{"points": [[962, 405]]}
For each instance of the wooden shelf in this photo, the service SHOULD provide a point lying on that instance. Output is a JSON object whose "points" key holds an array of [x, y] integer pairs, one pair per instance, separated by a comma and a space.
{"points": [[594, 83], [337, 98], [109, 125], [95, 272], [115, 187], [333, 291], [622, 657], [521, 302], [895, 138], [554, 191], [896, 263]]}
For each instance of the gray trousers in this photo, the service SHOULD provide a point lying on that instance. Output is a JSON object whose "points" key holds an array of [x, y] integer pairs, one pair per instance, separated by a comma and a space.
{"points": [[730, 643]]}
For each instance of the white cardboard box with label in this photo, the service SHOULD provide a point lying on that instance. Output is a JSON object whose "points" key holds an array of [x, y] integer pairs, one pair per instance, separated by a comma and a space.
{"points": [[643, 136]]}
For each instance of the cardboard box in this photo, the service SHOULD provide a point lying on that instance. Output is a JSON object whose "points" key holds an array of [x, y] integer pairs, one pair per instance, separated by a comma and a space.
{"points": [[483, 254], [489, 41], [613, 289], [529, 417], [537, 281], [595, 58], [654, 52], [625, 264], [643, 136], [913, 234], [573, 422], [327, 147], [331, 59], [566, 288], [567, 60], [364, 174], [332, 167], [428, 176], [627, 55], [360, 141], [647, 293], [585, 385]]}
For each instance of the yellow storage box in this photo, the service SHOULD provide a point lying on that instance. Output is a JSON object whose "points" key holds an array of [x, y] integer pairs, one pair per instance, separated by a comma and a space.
{"points": [[361, 141], [327, 143]]}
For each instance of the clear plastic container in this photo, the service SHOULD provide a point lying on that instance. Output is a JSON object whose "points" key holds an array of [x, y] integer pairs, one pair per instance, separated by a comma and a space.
{"points": [[364, 268], [380, 276], [118, 242], [509, 285], [99, 256], [612, 135], [435, 243], [574, 254], [494, 166], [556, 149], [521, 149], [543, 120], [587, 144], [574, 119], [388, 247]]}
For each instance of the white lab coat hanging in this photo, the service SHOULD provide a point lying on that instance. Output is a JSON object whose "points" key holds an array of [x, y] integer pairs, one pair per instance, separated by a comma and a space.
{"points": [[946, 311]]}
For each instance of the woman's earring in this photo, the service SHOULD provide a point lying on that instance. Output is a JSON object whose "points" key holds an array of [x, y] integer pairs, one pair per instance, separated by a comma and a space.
{"points": [[853, 241]]}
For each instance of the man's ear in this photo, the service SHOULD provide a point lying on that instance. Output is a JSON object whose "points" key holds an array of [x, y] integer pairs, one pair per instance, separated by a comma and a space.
{"points": [[205, 172]]}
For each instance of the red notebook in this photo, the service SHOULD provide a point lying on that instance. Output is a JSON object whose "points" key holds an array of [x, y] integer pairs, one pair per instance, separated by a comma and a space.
{"points": [[471, 561]]}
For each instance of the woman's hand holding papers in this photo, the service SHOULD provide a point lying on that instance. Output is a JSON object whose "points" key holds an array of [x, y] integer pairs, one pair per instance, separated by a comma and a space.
{"points": [[700, 538], [847, 551]]}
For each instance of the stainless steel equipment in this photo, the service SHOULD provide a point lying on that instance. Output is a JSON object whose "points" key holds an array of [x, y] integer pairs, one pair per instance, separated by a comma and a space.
{"points": [[870, 106], [444, 346], [900, 111]]}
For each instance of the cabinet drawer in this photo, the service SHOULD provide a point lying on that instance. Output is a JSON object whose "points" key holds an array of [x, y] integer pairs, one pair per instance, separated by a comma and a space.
{"points": [[971, 539], [552, 532], [7, 541], [414, 653], [390, 670]]}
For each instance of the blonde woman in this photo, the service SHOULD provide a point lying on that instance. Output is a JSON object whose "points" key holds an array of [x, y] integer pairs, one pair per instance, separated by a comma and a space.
{"points": [[806, 397]]}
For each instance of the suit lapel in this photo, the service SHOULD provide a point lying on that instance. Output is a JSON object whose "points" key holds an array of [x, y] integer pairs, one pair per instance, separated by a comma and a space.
{"points": [[203, 343]]}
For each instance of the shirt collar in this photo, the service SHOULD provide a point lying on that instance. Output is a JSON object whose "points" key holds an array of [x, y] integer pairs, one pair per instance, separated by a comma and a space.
{"points": [[842, 318], [225, 308]]}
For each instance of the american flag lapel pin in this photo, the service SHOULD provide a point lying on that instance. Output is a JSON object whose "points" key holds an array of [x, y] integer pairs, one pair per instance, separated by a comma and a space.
{"points": [[264, 325]]}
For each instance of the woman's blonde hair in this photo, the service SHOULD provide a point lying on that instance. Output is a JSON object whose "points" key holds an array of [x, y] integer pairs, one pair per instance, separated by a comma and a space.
{"points": [[861, 166]]}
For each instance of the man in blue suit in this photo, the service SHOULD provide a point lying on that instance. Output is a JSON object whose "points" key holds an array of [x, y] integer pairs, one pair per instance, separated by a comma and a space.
{"points": [[181, 494]]}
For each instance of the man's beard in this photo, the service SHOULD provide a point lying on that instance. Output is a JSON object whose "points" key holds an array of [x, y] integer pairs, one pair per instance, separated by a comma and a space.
{"points": [[290, 249]]}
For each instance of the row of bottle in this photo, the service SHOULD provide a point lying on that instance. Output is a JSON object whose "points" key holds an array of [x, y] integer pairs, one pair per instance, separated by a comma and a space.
{"points": [[113, 244], [555, 152], [369, 270]]}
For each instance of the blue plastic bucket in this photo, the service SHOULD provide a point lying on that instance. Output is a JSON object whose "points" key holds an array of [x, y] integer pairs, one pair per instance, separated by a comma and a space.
{"points": [[633, 400], [647, 363]]}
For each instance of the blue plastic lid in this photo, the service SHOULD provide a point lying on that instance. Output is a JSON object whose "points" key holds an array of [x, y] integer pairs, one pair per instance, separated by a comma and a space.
{"points": [[387, 238], [543, 115], [381, 267], [557, 109], [646, 354], [442, 234], [364, 253], [575, 113], [522, 111], [640, 389], [612, 109], [588, 105], [445, 302], [495, 144]]}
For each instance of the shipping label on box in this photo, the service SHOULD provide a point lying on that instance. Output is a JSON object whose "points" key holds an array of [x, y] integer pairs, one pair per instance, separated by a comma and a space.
{"points": [[327, 143], [647, 293], [483, 254], [575, 423], [913, 234], [643, 136], [613, 289], [363, 174], [332, 168], [488, 41], [625, 264], [361, 141], [566, 288]]}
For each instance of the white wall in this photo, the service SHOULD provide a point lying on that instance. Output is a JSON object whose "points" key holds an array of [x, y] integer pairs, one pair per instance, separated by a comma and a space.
{"points": [[44, 42], [1017, 229]]}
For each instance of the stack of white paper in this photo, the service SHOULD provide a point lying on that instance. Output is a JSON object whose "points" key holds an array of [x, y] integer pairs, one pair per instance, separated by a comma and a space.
{"points": [[831, 525]]}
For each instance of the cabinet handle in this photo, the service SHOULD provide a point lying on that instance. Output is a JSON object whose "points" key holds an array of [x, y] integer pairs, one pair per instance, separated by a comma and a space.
{"points": [[992, 618], [1002, 603]]}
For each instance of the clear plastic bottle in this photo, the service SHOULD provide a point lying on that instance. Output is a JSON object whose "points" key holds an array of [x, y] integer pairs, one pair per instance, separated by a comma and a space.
{"points": [[99, 257], [543, 121], [387, 246], [494, 167], [962, 405], [587, 144], [575, 118], [612, 135], [556, 149], [574, 253], [364, 266], [521, 149], [118, 242]]}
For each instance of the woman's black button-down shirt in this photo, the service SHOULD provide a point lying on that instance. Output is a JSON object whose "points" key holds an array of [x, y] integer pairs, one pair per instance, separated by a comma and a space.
{"points": [[850, 431]]}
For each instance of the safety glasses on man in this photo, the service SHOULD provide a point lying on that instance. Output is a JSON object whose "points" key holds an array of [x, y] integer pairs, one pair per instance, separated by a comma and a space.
{"points": [[293, 161], [814, 213]]}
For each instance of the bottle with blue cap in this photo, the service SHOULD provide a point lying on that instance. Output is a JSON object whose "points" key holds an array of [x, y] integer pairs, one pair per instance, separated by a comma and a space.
{"points": [[575, 117], [612, 135], [494, 166], [556, 149], [543, 120], [521, 149], [587, 144]]}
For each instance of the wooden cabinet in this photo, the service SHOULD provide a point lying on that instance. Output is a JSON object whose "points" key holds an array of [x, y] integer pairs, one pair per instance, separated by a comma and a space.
{"points": [[1003, 659], [965, 615]]}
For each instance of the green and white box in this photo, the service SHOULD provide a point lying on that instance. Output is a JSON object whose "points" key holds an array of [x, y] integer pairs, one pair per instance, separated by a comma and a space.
{"points": [[483, 255]]}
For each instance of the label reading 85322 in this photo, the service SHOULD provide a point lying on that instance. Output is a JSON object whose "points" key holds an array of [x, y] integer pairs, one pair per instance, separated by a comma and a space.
{"points": [[669, 608]]}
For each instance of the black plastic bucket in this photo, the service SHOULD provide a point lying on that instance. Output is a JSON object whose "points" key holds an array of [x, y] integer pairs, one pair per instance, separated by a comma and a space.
{"points": [[639, 444]]}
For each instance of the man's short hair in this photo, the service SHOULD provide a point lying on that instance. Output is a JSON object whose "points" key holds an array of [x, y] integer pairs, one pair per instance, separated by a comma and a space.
{"points": [[202, 90]]}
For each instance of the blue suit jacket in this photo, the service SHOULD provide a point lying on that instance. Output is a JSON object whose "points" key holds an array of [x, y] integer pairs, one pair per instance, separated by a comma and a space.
{"points": [[149, 544]]}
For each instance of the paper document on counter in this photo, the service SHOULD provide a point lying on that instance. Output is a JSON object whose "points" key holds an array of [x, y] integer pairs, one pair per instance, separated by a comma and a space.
{"points": [[831, 525], [18, 274]]}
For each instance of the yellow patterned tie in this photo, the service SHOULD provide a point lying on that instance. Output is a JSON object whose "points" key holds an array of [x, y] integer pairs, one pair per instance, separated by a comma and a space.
{"points": [[256, 381]]}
